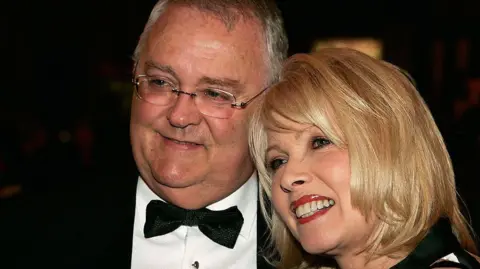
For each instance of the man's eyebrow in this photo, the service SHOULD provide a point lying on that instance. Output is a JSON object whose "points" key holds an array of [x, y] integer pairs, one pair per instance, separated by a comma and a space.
{"points": [[234, 84], [164, 68]]}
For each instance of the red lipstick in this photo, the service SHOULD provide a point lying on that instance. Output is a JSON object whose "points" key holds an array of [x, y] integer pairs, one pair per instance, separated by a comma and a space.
{"points": [[307, 199]]}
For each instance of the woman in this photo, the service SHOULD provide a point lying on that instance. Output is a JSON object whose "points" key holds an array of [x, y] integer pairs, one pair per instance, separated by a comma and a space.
{"points": [[356, 169]]}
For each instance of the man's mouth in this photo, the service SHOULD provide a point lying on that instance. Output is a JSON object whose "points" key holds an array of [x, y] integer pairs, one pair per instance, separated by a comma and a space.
{"points": [[310, 206], [182, 142]]}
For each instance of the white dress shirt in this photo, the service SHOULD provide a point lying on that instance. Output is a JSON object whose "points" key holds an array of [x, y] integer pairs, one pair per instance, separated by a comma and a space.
{"points": [[183, 247]]}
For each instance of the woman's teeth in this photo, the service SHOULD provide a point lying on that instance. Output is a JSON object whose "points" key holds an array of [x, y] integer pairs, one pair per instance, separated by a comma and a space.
{"points": [[308, 209]]}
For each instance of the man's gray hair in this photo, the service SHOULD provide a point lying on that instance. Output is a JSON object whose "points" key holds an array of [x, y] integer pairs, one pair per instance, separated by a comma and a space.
{"points": [[229, 11]]}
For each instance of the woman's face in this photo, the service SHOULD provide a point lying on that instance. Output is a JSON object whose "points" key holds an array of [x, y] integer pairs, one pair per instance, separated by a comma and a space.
{"points": [[311, 190]]}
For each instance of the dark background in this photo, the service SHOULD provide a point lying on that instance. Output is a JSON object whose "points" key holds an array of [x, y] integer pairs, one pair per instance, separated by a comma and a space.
{"points": [[65, 89]]}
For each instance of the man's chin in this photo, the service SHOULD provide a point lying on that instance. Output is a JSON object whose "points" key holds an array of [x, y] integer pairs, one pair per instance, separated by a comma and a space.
{"points": [[176, 182], [189, 197], [174, 176], [178, 171]]}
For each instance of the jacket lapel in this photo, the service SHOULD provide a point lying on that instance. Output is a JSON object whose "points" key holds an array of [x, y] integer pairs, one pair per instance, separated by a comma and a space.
{"points": [[116, 214], [262, 240]]}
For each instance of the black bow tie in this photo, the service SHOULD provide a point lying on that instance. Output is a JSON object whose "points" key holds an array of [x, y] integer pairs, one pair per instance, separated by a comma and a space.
{"points": [[223, 227]]}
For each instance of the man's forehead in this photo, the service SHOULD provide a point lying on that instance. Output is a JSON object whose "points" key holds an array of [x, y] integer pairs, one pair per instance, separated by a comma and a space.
{"points": [[206, 32], [201, 48], [229, 16], [175, 16]]}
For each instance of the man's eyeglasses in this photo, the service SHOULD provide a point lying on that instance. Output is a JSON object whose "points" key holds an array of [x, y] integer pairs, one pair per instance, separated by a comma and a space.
{"points": [[209, 101]]}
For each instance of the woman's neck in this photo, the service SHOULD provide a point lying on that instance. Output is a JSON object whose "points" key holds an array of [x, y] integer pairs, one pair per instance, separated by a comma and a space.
{"points": [[361, 261]]}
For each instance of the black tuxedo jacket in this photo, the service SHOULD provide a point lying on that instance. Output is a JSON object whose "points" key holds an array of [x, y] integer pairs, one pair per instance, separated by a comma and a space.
{"points": [[78, 226]]}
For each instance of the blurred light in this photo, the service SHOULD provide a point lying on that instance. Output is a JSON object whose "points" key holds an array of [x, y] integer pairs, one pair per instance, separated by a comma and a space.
{"points": [[370, 46], [64, 136], [10, 191]]}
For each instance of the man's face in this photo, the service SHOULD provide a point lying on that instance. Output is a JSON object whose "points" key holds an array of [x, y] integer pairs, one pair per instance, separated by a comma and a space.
{"points": [[187, 158]]}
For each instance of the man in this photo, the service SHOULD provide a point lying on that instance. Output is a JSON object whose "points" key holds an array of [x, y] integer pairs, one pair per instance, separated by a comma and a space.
{"points": [[199, 68]]}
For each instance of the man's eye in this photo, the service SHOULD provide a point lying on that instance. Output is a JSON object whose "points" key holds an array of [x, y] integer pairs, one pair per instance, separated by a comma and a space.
{"points": [[276, 163], [217, 96], [318, 142], [155, 82]]}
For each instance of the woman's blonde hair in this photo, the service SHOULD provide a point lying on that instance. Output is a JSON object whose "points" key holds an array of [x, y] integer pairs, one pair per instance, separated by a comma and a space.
{"points": [[400, 168]]}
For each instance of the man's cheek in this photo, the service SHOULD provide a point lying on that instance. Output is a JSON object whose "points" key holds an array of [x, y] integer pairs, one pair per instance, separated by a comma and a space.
{"points": [[144, 113]]}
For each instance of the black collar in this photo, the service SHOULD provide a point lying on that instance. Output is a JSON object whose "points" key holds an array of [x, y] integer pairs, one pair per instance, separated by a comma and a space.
{"points": [[438, 243]]}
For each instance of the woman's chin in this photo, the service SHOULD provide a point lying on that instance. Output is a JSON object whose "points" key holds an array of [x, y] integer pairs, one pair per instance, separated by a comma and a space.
{"points": [[316, 248]]}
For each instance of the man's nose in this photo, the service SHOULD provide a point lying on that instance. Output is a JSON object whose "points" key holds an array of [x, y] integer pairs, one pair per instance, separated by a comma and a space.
{"points": [[184, 111]]}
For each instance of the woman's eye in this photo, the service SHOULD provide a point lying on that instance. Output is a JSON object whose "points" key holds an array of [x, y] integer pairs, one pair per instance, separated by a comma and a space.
{"points": [[318, 142], [276, 163]]}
